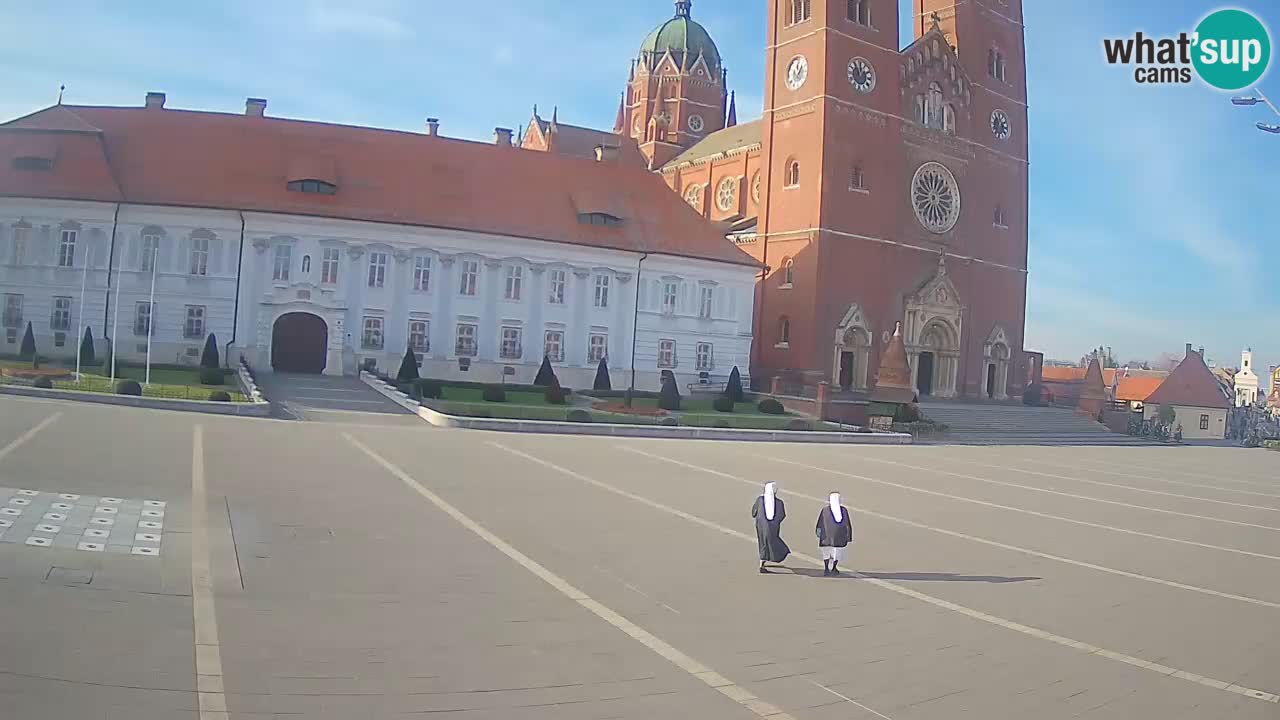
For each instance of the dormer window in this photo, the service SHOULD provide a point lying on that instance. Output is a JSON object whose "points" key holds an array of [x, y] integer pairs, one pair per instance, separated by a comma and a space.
{"points": [[315, 187], [31, 162], [598, 218]]}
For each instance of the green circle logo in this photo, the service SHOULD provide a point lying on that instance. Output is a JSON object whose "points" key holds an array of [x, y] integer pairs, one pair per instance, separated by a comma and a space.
{"points": [[1232, 49]]}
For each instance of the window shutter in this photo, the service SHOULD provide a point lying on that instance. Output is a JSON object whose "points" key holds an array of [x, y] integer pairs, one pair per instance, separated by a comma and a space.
{"points": [[215, 256]]}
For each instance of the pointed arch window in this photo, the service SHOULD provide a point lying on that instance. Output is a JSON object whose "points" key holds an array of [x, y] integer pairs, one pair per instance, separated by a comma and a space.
{"points": [[995, 64], [949, 119], [791, 178], [788, 273], [933, 106], [784, 331]]}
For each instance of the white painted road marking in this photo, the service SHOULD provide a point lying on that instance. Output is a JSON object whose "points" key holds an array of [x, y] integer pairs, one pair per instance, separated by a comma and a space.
{"points": [[984, 541], [850, 700], [1010, 508], [717, 681], [210, 691], [923, 597], [1073, 496], [1131, 488], [24, 437]]}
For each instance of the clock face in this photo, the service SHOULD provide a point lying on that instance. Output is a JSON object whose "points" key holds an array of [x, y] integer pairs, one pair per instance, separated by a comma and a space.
{"points": [[861, 75], [1000, 125], [664, 117], [797, 72], [637, 128], [695, 123]]}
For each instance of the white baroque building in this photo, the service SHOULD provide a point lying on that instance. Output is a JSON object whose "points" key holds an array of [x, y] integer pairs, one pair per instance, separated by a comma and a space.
{"points": [[1246, 381], [308, 260]]}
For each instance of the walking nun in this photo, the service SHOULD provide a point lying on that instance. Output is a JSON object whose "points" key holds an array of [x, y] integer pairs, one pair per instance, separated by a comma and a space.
{"points": [[835, 532], [769, 513]]}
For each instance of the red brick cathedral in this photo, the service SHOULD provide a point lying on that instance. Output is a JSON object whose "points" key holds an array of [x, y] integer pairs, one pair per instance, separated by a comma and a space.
{"points": [[881, 186]]}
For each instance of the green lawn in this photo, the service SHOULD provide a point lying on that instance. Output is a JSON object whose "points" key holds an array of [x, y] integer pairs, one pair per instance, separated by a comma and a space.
{"points": [[703, 406], [172, 383], [476, 395]]}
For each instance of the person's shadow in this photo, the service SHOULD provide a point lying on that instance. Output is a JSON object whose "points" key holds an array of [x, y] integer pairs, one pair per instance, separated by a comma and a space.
{"points": [[849, 573]]}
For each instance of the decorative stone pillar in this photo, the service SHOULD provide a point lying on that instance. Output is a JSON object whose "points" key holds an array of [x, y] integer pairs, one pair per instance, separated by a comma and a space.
{"points": [[490, 323], [442, 321], [579, 330], [395, 333], [623, 298], [534, 340], [351, 282], [260, 354]]}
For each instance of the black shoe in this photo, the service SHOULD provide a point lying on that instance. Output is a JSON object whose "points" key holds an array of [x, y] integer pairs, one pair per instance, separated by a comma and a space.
{"points": [[826, 572], [764, 570]]}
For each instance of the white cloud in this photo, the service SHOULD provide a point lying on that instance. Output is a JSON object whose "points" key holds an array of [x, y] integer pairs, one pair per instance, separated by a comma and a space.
{"points": [[334, 20]]}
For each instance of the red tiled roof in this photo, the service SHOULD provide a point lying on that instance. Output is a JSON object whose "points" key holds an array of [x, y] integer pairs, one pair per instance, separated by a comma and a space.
{"points": [[1191, 384], [237, 162]]}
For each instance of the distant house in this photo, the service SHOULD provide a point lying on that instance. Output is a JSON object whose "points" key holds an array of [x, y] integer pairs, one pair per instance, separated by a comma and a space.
{"points": [[1197, 398], [1123, 385]]}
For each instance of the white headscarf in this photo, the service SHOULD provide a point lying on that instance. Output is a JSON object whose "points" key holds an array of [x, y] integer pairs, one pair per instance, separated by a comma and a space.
{"points": [[834, 500], [770, 494]]}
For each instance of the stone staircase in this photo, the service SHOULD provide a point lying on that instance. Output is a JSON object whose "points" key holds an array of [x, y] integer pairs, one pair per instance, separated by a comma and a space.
{"points": [[1009, 424]]}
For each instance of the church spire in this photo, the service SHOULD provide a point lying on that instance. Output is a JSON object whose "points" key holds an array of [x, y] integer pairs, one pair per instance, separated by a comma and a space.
{"points": [[619, 123], [732, 120], [683, 7]]}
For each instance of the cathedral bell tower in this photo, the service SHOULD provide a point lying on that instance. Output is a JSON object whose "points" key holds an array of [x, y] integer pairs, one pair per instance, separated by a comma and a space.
{"points": [[676, 92]]}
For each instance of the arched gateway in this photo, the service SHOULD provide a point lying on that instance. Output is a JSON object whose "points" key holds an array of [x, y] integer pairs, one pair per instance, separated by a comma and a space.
{"points": [[299, 342]]}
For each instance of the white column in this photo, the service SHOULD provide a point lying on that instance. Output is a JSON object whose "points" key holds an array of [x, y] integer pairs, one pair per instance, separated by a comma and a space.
{"points": [[579, 330], [623, 297], [354, 278], [396, 334], [490, 323], [442, 321], [534, 341]]}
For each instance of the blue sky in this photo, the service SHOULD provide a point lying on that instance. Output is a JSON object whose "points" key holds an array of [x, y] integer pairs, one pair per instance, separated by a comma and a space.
{"points": [[1152, 208]]}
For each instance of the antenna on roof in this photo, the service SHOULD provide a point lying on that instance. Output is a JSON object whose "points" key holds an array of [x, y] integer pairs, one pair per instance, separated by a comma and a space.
{"points": [[61, 90]]}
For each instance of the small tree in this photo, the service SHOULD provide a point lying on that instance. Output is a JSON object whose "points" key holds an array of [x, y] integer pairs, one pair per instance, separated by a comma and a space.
{"points": [[546, 374], [87, 355], [733, 390], [1166, 415], [209, 358], [602, 377], [28, 349], [669, 396], [408, 367]]}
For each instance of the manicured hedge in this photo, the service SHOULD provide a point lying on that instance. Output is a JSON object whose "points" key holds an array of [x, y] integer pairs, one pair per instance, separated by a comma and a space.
{"points": [[769, 406], [43, 382], [578, 416], [723, 404], [212, 376], [219, 396], [494, 394], [129, 387]]}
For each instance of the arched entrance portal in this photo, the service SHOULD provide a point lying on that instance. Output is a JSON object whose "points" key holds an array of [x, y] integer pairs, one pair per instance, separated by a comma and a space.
{"points": [[299, 343]]}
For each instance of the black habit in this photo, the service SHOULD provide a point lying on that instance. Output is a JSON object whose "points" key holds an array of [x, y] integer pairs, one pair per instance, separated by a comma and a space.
{"points": [[832, 533], [769, 532]]}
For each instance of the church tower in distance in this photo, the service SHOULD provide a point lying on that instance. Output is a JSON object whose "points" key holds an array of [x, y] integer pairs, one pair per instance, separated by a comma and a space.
{"points": [[675, 93]]}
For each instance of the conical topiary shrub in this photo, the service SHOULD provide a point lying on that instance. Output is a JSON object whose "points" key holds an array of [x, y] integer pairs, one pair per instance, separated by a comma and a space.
{"points": [[546, 374], [209, 358], [602, 377], [669, 396], [408, 367], [87, 355], [27, 351], [733, 390]]}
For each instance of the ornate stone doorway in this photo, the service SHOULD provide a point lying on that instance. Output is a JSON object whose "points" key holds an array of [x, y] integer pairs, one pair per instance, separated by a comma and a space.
{"points": [[933, 327], [852, 351], [299, 343], [996, 357]]}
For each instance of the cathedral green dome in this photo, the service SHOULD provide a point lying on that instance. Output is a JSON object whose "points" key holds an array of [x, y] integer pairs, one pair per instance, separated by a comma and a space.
{"points": [[683, 38]]}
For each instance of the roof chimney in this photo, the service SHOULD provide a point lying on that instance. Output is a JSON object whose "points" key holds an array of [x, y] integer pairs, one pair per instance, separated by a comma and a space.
{"points": [[502, 136], [255, 107], [606, 153], [433, 127], [1201, 351], [1188, 349], [155, 101]]}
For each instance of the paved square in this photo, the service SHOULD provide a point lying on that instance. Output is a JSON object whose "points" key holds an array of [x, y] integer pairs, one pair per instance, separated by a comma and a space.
{"points": [[81, 522]]}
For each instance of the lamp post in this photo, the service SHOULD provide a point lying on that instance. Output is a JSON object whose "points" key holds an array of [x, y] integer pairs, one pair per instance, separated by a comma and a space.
{"points": [[1256, 98]]}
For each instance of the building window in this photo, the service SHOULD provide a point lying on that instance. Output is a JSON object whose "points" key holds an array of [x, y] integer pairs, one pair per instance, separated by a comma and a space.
{"points": [[997, 217], [422, 273], [419, 336], [995, 64], [67, 249], [515, 278], [20, 235], [599, 218], [666, 353], [61, 318], [553, 345], [194, 327], [150, 249], [602, 291], [1204, 422], [706, 302], [921, 111], [597, 347], [509, 348], [784, 331], [12, 310], [705, 357], [329, 266], [142, 325], [555, 291], [199, 256], [727, 194], [800, 11], [860, 11], [933, 107], [949, 119], [788, 272], [377, 269], [792, 176], [669, 294], [856, 179], [465, 343], [306, 264], [371, 338], [470, 271], [315, 187], [284, 258], [30, 162]]}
